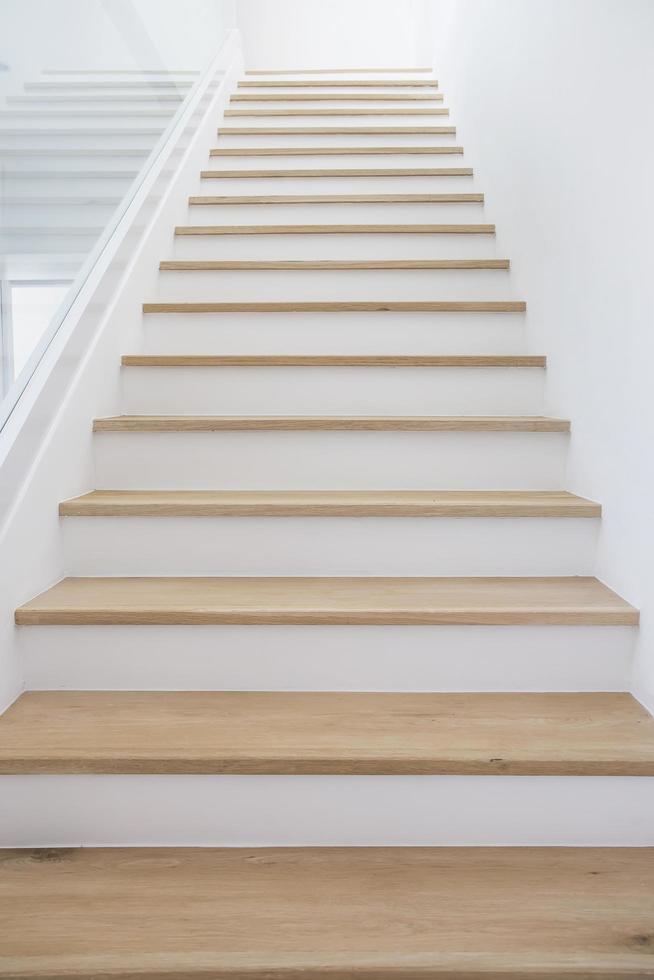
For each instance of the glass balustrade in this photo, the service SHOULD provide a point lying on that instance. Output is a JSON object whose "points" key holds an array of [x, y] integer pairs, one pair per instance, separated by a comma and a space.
{"points": [[89, 91]]}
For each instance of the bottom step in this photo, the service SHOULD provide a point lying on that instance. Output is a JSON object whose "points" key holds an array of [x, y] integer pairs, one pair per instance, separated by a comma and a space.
{"points": [[343, 913]]}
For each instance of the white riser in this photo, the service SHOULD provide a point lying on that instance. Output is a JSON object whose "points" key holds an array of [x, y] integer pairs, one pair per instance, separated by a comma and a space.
{"points": [[328, 658], [64, 185], [334, 333], [57, 215], [339, 88], [330, 460], [315, 214], [331, 391], [250, 811], [328, 546], [329, 185], [341, 139], [378, 284], [332, 246], [339, 161], [407, 118]]}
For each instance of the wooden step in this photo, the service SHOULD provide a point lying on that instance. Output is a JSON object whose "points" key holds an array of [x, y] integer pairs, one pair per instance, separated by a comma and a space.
{"points": [[337, 130], [338, 83], [391, 601], [340, 172], [346, 306], [301, 265], [334, 229], [340, 199], [330, 503], [325, 151], [299, 913], [329, 423], [343, 733], [335, 97], [338, 112], [335, 360], [338, 71]]}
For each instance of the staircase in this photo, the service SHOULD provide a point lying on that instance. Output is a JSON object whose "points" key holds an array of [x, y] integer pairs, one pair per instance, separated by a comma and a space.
{"points": [[330, 598]]}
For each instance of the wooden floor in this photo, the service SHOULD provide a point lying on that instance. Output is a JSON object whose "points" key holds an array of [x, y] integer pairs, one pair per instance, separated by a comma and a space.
{"points": [[255, 732], [574, 600], [310, 913]]}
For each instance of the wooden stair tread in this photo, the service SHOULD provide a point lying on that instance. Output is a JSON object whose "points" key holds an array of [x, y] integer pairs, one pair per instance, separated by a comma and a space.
{"points": [[351, 111], [300, 265], [336, 130], [334, 360], [336, 97], [339, 83], [330, 601], [329, 503], [298, 913], [337, 229], [339, 172], [344, 306], [325, 151], [338, 199], [348, 733], [362, 423], [337, 71]]}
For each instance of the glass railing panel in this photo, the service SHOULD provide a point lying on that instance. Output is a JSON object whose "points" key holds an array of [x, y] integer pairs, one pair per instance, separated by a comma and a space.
{"points": [[80, 125]]}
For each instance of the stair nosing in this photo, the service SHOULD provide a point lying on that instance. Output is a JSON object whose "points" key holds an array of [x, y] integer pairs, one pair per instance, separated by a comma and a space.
{"points": [[284, 423], [425, 198], [325, 151], [336, 360], [447, 504], [301, 265]]}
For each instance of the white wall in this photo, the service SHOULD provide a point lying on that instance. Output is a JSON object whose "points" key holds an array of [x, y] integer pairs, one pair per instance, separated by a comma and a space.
{"points": [[334, 34], [553, 102]]}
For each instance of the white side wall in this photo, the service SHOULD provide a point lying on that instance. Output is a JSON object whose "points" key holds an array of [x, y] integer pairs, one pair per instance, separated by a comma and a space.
{"points": [[334, 34], [553, 101]]}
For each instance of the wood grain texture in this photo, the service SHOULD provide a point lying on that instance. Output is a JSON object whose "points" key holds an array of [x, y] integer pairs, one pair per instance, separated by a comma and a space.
{"points": [[343, 733], [335, 97], [300, 265], [338, 83], [339, 199], [330, 423], [337, 360], [326, 151], [339, 172], [337, 130], [311, 913], [406, 111], [336, 229], [330, 503], [345, 306], [328, 601]]}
